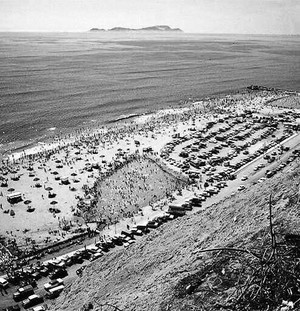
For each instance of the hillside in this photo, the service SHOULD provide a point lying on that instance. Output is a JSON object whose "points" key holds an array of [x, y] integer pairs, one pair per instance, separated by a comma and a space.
{"points": [[165, 269]]}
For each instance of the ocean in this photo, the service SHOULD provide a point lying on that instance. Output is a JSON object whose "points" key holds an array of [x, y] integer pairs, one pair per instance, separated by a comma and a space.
{"points": [[53, 83]]}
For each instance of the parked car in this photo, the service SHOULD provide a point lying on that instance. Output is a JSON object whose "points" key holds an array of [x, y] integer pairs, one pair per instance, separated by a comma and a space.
{"points": [[96, 256], [32, 301], [44, 271], [136, 232], [196, 201], [53, 283], [118, 240], [23, 293], [58, 273], [38, 308], [143, 228], [3, 283], [152, 224], [241, 187], [55, 292]]}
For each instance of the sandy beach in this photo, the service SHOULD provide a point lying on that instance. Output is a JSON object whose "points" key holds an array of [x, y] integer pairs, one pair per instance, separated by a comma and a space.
{"points": [[104, 177]]}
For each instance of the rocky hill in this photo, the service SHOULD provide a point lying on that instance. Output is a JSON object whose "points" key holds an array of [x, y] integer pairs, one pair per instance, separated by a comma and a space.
{"points": [[167, 270], [158, 28]]}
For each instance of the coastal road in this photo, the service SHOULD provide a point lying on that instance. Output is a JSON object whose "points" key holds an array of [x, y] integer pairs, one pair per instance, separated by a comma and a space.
{"points": [[253, 176]]}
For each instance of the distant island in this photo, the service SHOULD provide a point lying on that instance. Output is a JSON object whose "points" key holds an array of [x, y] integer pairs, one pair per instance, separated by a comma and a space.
{"points": [[160, 28]]}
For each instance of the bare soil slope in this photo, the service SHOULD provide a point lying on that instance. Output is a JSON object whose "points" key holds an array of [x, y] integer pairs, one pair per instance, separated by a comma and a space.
{"points": [[165, 270]]}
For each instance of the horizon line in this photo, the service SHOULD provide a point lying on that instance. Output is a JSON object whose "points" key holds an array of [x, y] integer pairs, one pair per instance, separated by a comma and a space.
{"points": [[160, 32]]}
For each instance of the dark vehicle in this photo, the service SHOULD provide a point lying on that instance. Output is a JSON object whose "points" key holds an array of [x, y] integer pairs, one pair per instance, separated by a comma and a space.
{"points": [[271, 159], [187, 206], [117, 240], [23, 293], [12, 308], [176, 210], [36, 275], [153, 224], [196, 201], [232, 177], [143, 228], [80, 270], [32, 301], [126, 233], [58, 273], [110, 243], [136, 232], [103, 246], [85, 254], [77, 258], [69, 261], [269, 174]]}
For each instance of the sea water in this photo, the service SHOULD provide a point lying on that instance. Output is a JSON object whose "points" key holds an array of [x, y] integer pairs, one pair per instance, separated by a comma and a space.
{"points": [[51, 83]]}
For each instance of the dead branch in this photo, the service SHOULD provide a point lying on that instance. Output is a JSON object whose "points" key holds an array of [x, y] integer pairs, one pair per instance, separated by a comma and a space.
{"points": [[272, 233]]}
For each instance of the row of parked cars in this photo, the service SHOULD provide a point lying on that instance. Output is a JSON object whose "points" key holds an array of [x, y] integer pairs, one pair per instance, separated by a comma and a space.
{"points": [[259, 152], [30, 299], [295, 154], [56, 269]]}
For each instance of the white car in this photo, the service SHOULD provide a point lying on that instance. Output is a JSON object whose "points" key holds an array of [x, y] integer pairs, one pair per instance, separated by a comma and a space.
{"points": [[241, 187], [53, 283], [3, 283], [261, 179], [96, 256], [244, 178]]}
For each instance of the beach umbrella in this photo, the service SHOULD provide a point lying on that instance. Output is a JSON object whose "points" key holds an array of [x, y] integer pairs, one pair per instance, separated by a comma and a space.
{"points": [[48, 188], [27, 202], [53, 202], [11, 189]]}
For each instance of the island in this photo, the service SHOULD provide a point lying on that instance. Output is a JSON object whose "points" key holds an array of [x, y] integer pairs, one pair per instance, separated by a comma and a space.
{"points": [[97, 29], [158, 28]]}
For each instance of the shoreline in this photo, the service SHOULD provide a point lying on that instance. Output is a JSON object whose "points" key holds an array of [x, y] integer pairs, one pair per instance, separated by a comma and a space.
{"points": [[62, 133]]}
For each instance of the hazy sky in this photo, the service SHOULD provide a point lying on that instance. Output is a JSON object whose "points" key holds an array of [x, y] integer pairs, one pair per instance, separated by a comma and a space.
{"points": [[202, 16]]}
